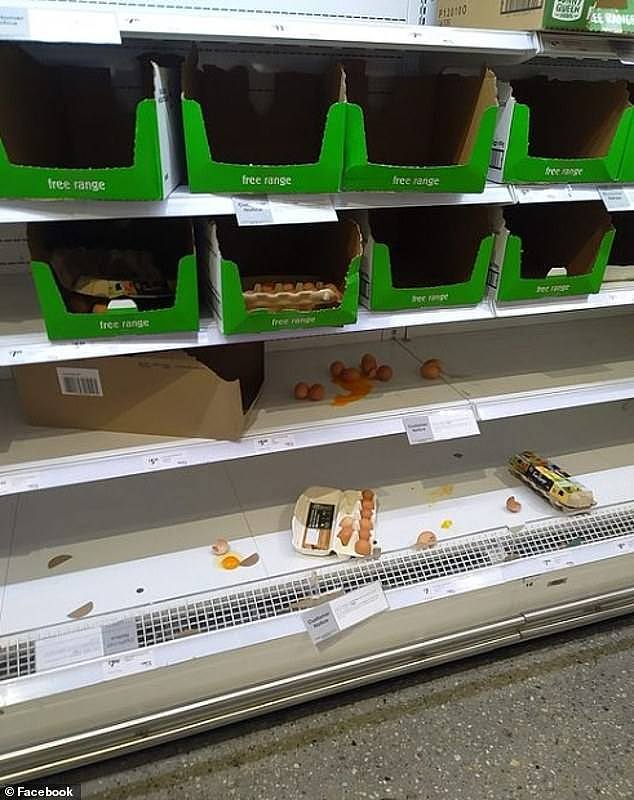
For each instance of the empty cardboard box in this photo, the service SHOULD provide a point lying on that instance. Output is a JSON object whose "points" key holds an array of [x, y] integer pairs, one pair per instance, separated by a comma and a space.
{"points": [[546, 250], [423, 133], [561, 131], [426, 257], [203, 393], [272, 278], [621, 264], [604, 16], [65, 131], [252, 132], [76, 264]]}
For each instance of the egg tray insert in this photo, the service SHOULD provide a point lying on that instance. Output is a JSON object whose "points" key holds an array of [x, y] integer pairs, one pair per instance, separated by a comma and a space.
{"points": [[285, 295]]}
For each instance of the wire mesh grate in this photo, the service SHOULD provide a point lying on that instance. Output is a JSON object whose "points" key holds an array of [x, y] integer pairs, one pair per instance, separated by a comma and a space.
{"points": [[268, 600]]}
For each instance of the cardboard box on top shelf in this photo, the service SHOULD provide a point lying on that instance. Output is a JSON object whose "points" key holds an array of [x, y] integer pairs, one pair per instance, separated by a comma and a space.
{"points": [[290, 142], [621, 264], [280, 277], [427, 133], [66, 133], [76, 264], [561, 131], [582, 16], [426, 257], [550, 250], [203, 393]]}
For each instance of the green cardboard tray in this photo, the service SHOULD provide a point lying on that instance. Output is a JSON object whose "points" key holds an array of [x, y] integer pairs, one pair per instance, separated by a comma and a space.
{"points": [[519, 167], [512, 286], [361, 175], [235, 317], [63, 324], [207, 175], [381, 295], [141, 181]]}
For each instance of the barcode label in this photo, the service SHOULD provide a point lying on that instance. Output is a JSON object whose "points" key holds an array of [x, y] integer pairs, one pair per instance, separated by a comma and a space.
{"points": [[497, 158], [79, 382], [515, 6]]}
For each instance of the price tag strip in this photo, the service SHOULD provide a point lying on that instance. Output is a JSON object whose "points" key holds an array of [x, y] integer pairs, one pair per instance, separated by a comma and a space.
{"points": [[58, 25], [329, 619]]}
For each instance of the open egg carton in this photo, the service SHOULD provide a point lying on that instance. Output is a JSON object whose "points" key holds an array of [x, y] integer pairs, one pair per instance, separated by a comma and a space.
{"points": [[342, 522], [281, 294]]}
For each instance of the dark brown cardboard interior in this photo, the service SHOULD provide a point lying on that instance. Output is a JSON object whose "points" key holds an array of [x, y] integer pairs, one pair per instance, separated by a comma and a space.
{"points": [[289, 132], [622, 253], [424, 120], [324, 250], [242, 362], [432, 246], [558, 235], [571, 119], [61, 116], [167, 240]]}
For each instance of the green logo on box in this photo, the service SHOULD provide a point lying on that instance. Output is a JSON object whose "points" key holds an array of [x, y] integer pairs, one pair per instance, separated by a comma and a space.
{"points": [[568, 10]]}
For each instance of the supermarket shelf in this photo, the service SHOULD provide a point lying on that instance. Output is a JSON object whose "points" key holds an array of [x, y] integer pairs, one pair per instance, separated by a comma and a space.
{"points": [[182, 203], [612, 295], [488, 377]]}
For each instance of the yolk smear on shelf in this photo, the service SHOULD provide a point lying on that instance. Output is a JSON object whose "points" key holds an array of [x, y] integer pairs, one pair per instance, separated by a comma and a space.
{"points": [[356, 390], [230, 562], [446, 524], [441, 492]]}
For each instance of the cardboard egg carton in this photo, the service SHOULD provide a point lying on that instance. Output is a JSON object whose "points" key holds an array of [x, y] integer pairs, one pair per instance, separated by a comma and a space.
{"points": [[279, 294], [329, 521]]}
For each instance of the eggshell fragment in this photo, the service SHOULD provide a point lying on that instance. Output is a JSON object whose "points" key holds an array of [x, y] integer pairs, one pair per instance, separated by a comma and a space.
{"points": [[317, 392], [301, 391], [513, 505], [384, 373], [426, 539], [220, 547]]}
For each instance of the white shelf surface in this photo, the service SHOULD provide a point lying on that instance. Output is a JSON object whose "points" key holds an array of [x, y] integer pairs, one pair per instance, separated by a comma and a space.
{"points": [[182, 203], [490, 374], [108, 565]]}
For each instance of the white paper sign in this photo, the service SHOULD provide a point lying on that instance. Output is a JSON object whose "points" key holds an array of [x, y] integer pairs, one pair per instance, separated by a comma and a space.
{"points": [[14, 23], [615, 198], [543, 194], [265, 210], [436, 426], [72, 648], [330, 619]]}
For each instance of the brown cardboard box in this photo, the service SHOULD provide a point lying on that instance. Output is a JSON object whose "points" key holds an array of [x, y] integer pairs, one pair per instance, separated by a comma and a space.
{"points": [[204, 392]]}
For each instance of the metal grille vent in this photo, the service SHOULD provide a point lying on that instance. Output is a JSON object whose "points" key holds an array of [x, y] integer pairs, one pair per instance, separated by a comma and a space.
{"points": [[204, 614]]}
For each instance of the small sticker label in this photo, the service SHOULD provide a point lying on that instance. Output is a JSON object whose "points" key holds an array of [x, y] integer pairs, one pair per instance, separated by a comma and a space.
{"points": [[266, 444], [166, 461], [436, 426], [73, 648], [253, 210], [283, 211], [79, 382], [330, 619], [615, 198], [14, 23], [128, 664], [119, 636]]}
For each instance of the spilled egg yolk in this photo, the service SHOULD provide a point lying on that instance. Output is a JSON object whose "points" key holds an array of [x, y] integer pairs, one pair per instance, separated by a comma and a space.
{"points": [[230, 562], [356, 390]]}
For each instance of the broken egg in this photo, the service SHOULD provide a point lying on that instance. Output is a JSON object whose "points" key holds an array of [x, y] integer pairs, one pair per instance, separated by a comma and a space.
{"points": [[350, 374], [446, 524], [230, 561], [513, 505], [426, 539], [220, 547]]}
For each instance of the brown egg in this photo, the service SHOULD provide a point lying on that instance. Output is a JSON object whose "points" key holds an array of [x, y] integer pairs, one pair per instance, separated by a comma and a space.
{"points": [[350, 374], [267, 287], [365, 525], [368, 363], [366, 513], [289, 287], [367, 505], [364, 535], [431, 370], [301, 391], [317, 392], [309, 286], [363, 547], [336, 368], [345, 534], [426, 539], [99, 308], [384, 373], [513, 505], [367, 494]]}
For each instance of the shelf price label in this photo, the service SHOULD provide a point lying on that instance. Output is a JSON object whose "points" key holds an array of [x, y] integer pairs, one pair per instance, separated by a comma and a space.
{"points": [[272, 444], [616, 198], [327, 620], [441, 425], [156, 461], [544, 194], [264, 210]]}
